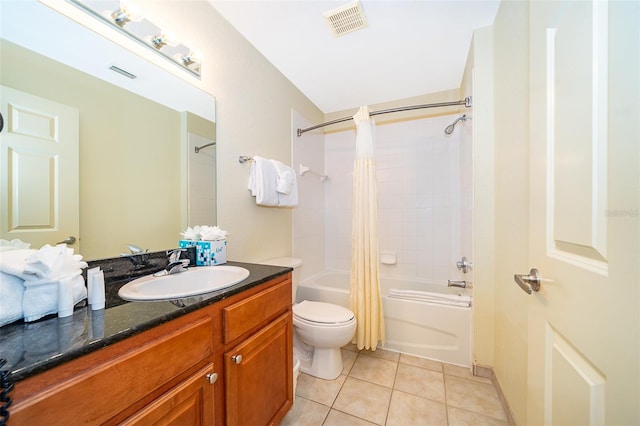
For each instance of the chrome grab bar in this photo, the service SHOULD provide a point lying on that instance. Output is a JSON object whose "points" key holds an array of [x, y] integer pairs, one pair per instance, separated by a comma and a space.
{"points": [[530, 282]]}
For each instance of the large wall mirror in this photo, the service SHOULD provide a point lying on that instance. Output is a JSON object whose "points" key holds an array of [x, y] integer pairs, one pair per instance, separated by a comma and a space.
{"points": [[137, 178]]}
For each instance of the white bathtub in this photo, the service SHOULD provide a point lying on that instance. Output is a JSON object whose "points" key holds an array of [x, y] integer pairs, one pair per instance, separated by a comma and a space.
{"points": [[424, 329]]}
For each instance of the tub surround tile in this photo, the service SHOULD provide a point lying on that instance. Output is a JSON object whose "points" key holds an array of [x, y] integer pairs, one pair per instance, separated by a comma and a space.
{"points": [[365, 400], [420, 382], [375, 370], [474, 396], [319, 390], [406, 409]]}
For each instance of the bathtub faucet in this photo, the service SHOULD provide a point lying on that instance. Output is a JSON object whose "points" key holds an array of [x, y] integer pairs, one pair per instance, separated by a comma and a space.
{"points": [[461, 284]]}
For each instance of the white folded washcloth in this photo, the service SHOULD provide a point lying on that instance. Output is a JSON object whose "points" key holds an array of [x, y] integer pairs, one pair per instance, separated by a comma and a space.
{"points": [[41, 297], [265, 181], [287, 186], [13, 261], [52, 264], [11, 294], [43, 262]]}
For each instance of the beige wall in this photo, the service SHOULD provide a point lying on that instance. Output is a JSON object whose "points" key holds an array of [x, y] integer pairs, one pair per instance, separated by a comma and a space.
{"points": [[511, 136], [497, 74], [484, 193], [253, 107]]}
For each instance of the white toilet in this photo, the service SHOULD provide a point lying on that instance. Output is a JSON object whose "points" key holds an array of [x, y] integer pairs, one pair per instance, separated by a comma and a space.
{"points": [[320, 330]]}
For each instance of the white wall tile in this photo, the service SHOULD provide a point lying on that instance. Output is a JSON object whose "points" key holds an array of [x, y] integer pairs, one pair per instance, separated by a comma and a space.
{"points": [[424, 198]]}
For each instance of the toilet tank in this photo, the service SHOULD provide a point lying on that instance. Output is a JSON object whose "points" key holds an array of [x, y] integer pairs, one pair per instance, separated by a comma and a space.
{"points": [[288, 262]]}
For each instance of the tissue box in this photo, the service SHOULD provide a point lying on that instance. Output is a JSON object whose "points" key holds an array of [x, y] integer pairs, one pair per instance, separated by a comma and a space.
{"points": [[208, 252]]}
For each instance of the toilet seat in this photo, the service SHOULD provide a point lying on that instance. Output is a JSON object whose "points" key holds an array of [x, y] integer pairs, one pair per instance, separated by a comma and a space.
{"points": [[322, 314]]}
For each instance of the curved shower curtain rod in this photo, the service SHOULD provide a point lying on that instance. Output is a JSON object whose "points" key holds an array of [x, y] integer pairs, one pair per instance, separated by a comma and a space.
{"points": [[466, 102]]}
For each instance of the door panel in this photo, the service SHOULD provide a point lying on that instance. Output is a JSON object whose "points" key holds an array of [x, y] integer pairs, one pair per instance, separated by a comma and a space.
{"points": [[583, 347], [39, 196]]}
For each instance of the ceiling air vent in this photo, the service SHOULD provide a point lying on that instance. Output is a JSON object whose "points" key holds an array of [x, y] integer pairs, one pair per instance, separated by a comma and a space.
{"points": [[345, 19]]}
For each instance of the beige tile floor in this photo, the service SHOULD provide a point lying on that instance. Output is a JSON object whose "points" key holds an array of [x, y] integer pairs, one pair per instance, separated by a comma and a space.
{"points": [[388, 388]]}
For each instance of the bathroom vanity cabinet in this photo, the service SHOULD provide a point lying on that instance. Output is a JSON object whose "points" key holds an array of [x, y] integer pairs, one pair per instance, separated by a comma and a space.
{"points": [[226, 363]]}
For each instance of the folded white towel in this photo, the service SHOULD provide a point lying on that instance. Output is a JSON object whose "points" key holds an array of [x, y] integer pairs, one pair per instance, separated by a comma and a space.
{"points": [[41, 298], [11, 294], [13, 261], [45, 265], [426, 296], [43, 262], [265, 181]]}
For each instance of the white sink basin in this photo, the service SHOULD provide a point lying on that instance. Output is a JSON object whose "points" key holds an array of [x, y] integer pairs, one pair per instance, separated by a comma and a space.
{"points": [[194, 281]]}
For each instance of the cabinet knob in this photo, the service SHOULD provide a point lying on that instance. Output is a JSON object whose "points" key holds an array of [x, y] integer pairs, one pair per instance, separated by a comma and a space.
{"points": [[237, 358], [212, 377]]}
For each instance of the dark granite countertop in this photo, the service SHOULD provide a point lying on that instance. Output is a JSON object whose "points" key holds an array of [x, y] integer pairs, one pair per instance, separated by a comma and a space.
{"points": [[32, 348]]}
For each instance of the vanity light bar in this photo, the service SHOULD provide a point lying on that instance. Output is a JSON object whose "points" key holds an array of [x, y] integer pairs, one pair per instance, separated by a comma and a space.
{"points": [[157, 41]]}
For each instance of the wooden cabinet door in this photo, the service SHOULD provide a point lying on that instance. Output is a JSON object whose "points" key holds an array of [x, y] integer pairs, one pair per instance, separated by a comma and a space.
{"points": [[189, 403], [259, 376]]}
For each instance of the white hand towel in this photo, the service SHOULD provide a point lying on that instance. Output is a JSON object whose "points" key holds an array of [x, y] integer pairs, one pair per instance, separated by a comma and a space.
{"points": [[252, 179], [288, 196], [286, 177], [11, 294], [266, 180]]}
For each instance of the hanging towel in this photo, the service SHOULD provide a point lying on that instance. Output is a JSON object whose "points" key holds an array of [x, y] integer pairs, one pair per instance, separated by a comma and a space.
{"points": [[11, 294], [263, 181], [286, 185]]}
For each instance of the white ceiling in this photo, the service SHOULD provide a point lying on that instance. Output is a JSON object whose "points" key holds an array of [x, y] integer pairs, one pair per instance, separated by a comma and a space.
{"points": [[409, 48]]}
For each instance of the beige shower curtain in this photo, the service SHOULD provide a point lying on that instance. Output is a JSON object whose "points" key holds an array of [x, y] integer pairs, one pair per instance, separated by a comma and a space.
{"points": [[365, 298]]}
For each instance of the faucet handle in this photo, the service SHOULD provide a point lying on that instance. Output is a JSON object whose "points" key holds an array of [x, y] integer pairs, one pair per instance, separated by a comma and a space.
{"points": [[174, 255]]}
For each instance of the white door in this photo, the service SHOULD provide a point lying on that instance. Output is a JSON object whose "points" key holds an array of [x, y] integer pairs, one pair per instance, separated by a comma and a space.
{"points": [[39, 190], [584, 323]]}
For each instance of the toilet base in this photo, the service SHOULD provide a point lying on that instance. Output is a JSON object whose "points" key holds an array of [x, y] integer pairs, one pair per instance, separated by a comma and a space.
{"points": [[324, 363]]}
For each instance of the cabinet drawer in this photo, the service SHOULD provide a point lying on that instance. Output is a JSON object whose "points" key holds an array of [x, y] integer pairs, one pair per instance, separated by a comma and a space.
{"points": [[253, 311], [95, 396]]}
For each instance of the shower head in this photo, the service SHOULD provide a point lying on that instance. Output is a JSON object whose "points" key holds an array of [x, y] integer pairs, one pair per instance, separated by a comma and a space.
{"points": [[449, 129]]}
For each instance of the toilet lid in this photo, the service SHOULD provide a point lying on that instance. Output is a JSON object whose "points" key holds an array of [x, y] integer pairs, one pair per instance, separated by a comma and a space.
{"points": [[322, 312]]}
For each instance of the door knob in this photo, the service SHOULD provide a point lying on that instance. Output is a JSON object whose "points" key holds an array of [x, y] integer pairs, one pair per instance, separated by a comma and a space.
{"points": [[237, 358], [529, 282], [212, 377], [69, 240]]}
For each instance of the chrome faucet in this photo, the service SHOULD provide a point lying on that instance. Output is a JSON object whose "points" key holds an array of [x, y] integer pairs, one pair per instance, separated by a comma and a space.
{"points": [[176, 264], [137, 256]]}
